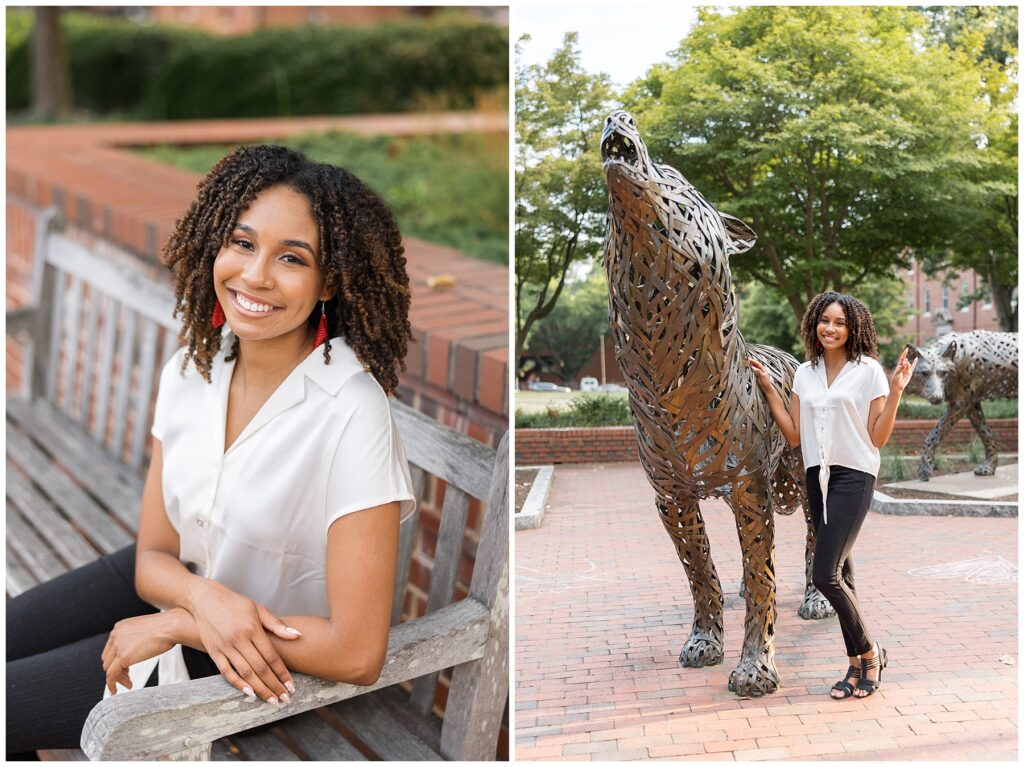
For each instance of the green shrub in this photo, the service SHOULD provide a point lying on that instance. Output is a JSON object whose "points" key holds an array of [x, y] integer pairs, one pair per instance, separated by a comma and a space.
{"points": [[894, 468], [975, 451], [122, 68], [914, 407], [584, 411]]}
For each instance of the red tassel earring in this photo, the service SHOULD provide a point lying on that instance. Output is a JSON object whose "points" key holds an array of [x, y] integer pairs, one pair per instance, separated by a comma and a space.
{"points": [[321, 331], [218, 317]]}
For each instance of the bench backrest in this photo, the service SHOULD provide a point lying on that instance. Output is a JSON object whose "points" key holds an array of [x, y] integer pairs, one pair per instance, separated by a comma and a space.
{"points": [[100, 333]]}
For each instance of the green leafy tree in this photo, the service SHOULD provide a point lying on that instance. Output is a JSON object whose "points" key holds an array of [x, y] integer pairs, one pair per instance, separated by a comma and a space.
{"points": [[832, 131], [571, 332], [985, 209], [560, 192]]}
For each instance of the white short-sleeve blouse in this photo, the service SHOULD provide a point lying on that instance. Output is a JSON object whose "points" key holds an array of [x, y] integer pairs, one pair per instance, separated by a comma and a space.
{"points": [[834, 419], [255, 517]]}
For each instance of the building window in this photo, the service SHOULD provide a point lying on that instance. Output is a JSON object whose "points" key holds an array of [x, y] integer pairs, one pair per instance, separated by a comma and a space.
{"points": [[965, 290], [945, 297], [987, 298]]}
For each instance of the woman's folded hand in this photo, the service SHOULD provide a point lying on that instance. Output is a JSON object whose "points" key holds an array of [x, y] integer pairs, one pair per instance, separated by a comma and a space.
{"points": [[233, 630], [134, 640]]}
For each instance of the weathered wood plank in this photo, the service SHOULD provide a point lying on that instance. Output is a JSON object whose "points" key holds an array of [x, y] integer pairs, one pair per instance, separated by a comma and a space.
{"points": [[478, 690], [406, 539], [143, 395], [56, 328], [447, 554], [81, 410], [113, 483], [19, 579], [34, 554], [382, 732], [105, 373], [61, 536], [90, 517], [319, 741], [453, 457], [152, 721], [73, 323], [44, 283], [144, 296], [263, 746], [126, 355], [426, 728]]}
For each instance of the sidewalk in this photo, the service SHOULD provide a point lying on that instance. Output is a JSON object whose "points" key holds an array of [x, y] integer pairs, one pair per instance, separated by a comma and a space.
{"points": [[603, 607]]}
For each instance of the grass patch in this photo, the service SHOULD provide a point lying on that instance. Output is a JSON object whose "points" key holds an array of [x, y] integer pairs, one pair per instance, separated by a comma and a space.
{"points": [[450, 189], [583, 411], [915, 407]]}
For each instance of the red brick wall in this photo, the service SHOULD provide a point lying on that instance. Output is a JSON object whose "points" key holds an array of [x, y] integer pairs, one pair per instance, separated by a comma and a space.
{"points": [[618, 443]]}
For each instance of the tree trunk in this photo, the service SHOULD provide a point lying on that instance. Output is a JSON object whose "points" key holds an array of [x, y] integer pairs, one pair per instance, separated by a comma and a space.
{"points": [[51, 77], [1002, 296]]}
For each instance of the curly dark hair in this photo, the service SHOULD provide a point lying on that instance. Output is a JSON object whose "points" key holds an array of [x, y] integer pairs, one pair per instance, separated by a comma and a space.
{"points": [[862, 338], [361, 256]]}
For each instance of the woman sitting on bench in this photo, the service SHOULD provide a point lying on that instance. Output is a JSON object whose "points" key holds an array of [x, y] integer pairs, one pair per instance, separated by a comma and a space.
{"points": [[268, 439]]}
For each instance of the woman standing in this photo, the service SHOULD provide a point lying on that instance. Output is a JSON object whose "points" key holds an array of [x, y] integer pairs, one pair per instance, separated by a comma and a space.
{"points": [[842, 411], [269, 525]]}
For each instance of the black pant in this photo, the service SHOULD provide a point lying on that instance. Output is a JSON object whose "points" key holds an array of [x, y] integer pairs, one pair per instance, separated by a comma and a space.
{"points": [[55, 638], [849, 497]]}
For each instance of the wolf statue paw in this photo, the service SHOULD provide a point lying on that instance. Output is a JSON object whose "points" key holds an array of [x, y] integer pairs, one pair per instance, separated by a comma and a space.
{"points": [[755, 677], [985, 470], [815, 606], [699, 651]]}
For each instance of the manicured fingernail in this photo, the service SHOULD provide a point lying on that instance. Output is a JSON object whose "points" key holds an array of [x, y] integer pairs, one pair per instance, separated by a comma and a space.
{"points": [[272, 700], [293, 631], [290, 686], [249, 693], [285, 698]]}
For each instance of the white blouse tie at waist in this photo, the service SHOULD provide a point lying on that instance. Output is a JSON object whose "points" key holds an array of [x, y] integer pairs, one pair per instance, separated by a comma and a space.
{"points": [[824, 451]]}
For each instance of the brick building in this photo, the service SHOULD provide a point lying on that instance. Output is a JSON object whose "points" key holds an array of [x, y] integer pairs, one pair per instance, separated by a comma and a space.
{"points": [[934, 303]]}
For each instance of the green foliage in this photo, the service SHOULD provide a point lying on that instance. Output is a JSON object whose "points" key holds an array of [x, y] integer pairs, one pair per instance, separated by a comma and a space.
{"points": [[572, 331], [560, 192], [450, 189], [586, 410], [894, 468], [833, 131], [975, 451], [913, 407], [162, 72]]}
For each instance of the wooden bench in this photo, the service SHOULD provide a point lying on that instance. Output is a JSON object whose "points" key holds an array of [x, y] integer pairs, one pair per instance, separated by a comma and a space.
{"points": [[96, 337]]}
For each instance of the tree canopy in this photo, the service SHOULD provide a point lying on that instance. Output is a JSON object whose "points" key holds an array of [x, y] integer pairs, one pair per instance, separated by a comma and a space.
{"points": [[844, 136], [560, 192]]}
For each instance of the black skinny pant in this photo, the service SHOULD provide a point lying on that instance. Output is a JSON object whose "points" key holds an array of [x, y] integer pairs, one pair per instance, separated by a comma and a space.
{"points": [[849, 497], [55, 638]]}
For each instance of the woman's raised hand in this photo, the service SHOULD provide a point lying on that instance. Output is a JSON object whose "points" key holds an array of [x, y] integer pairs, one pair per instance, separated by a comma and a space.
{"points": [[762, 374], [233, 629], [901, 375]]}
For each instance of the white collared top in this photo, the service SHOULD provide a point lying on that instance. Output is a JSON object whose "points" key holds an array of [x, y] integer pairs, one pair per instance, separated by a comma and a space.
{"points": [[834, 419], [255, 517]]}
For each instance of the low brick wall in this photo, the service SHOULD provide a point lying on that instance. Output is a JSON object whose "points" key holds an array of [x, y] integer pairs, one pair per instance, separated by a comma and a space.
{"points": [[609, 444]]}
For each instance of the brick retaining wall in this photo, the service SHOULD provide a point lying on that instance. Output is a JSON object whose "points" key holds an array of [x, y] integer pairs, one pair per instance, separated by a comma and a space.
{"points": [[610, 444]]}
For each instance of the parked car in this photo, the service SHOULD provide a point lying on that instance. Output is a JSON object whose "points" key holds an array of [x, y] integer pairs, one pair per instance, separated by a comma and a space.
{"points": [[548, 386], [612, 388], [589, 383]]}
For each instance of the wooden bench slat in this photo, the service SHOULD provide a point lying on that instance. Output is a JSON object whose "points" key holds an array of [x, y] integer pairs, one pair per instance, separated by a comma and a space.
{"points": [[125, 356], [143, 394], [19, 579], [53, 348], [105, 373], [73, 318], [406, 539], [381, 731], [319, 741], [91, 518], [426, 728], [32, 551], [263, 746], [116, 487], [58, 532], [448, 455], [447, 554], [81, 410]]}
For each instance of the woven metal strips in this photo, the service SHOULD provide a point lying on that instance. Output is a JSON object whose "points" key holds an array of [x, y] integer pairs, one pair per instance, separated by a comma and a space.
{"points": [[703, 425], [964, 370]]}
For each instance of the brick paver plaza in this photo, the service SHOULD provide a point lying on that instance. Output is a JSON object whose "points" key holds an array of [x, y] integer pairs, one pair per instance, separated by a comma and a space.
{"points": [[603, 608]]}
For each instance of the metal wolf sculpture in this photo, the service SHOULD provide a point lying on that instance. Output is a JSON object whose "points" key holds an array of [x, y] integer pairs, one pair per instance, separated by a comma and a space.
{"points": [[964, 369], [703, 425]]}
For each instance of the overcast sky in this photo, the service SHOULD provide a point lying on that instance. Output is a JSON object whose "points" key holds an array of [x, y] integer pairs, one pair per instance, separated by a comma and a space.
{"points": [[622, 41]]}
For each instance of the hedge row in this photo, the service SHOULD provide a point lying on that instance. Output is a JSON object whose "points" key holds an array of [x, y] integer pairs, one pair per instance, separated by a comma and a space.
{"points": [[123, 69]]}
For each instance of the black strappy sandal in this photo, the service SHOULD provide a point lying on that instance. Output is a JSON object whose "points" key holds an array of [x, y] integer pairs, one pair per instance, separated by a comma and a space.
{"points": [[844, 686], [870, 686]]}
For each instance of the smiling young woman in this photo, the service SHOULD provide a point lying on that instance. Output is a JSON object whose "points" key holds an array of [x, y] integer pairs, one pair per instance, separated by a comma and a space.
{"points": [[842, 411], [268, 533]]}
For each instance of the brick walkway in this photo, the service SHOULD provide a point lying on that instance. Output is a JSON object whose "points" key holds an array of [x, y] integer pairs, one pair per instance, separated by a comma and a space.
{"points": [[602, 609]]}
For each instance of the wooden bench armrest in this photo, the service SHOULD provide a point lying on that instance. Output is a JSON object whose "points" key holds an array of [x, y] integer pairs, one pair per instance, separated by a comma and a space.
{"points": [[156, 721], [21, 320]]}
